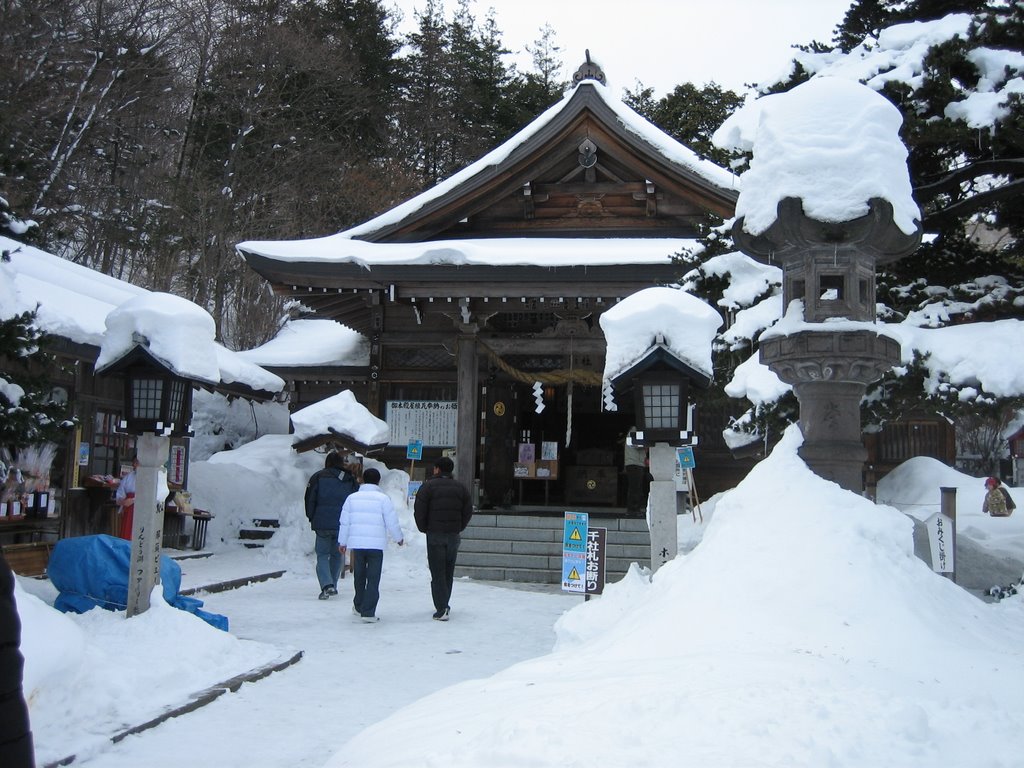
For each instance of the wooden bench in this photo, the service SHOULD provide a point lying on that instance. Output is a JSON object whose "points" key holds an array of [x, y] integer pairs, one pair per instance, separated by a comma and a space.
{"points": [[28, 559]]}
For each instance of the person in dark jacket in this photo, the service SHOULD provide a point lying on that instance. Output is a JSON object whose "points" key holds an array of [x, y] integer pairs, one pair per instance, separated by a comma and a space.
{"points": [[16, 748], [325, 494], [442, 510]]}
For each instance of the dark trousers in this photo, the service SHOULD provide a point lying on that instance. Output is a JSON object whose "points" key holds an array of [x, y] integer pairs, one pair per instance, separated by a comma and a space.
{"points": [[366, 567], [636, 502], [16, 748], [442, 551]]}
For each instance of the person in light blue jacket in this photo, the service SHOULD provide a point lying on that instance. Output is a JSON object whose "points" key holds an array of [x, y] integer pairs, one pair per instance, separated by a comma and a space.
{"points": [[367, 517]]}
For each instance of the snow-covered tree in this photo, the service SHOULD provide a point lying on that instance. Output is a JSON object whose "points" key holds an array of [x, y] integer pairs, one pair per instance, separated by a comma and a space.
{"points": [[956, 72], [30, 414]]}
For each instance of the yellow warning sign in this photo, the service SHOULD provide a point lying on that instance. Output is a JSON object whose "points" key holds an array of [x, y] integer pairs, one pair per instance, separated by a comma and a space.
{"points": [[574, 551]]}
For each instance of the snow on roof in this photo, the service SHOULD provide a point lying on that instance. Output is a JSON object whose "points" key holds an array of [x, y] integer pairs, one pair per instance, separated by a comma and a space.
{"points": [[513, 251], [312, 342], [831, 142], [630, 120], [345, 414], [632, 326], [176, 332], [74, 302], [343, 247]]}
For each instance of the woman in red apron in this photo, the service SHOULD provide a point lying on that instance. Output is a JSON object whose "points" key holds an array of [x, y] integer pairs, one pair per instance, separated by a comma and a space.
{"points": [[125, 498]]}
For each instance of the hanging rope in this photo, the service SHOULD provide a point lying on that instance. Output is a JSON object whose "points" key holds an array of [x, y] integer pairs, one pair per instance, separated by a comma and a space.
{"points": [[561, 376]]}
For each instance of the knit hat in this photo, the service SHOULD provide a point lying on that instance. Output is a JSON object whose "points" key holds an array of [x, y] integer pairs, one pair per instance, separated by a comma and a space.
{"points": [[991, 482]]}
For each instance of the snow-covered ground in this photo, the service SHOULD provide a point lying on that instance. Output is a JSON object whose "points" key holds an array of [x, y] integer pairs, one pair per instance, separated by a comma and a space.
{"points": [[799, 629]]}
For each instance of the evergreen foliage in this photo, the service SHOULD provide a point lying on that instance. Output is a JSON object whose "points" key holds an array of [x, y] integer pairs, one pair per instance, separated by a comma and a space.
{"points": [[966, 180], [31, 415], [689, 114], [147, 138]]}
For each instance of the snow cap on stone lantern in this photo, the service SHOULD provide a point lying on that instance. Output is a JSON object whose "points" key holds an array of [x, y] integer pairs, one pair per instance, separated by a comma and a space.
{"points": [[827, 195]]}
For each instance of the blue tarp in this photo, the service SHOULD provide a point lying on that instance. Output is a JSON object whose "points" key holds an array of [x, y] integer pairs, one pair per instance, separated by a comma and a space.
{"points": [[92, 571]]}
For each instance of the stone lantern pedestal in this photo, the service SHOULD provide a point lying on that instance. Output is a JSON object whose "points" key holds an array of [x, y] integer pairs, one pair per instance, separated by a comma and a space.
{"points": [[829, 373], [830, 267]]}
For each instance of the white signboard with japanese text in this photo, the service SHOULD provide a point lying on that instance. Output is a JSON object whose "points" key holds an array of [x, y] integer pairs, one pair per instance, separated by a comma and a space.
{"points": [[940, 537], [430, 421], [596, 558]]}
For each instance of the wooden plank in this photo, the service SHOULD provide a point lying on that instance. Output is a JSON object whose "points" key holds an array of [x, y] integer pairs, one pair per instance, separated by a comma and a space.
{"points": [[28, 559]]}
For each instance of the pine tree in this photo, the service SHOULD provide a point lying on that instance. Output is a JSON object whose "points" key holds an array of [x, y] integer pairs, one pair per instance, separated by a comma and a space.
{"points": [[32, 415], [689, 114], [966, 180], [530, 93]]}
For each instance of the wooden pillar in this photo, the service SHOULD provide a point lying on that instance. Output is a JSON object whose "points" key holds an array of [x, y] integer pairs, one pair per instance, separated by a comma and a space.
{"points": [[466, 420]]}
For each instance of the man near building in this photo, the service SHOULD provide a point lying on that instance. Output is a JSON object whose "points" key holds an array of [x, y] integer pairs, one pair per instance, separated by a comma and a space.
{"points": [[442, 511], [367, 517], [325, 493]]}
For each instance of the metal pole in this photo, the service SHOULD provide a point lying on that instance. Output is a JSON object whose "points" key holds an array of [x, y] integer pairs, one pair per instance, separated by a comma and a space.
{"points": [[147, 523], [947, 507]]}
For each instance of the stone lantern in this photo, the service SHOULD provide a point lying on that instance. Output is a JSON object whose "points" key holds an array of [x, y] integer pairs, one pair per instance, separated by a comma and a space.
{"points": [[830, 266], [157, 405], [660, 381], [161, 346]]}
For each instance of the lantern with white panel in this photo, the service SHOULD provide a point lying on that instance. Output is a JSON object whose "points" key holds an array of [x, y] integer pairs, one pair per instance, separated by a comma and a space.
{"points": [[157, 406], [660, 382]]}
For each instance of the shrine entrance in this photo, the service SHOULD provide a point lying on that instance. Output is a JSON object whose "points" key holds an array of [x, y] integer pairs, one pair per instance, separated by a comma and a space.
{"points": [[567, 456]]}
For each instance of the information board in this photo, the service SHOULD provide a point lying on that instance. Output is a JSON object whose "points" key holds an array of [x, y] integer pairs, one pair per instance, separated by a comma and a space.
{"points": [[430, 421]]}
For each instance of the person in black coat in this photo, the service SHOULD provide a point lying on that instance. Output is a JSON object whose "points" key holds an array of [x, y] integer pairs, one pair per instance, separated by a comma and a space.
{"points": [[16, 748], [325, 493], [442, 510]]}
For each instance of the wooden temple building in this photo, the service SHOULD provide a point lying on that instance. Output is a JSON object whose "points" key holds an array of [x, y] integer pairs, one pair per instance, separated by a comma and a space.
{"points": [[480, 299]]}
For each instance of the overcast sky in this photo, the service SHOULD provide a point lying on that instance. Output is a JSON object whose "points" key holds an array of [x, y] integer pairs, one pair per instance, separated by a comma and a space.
{"points": [[662, 43]]}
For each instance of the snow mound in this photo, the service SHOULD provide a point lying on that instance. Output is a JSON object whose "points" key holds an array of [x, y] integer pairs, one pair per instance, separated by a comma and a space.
{"points": [[801, 631]]}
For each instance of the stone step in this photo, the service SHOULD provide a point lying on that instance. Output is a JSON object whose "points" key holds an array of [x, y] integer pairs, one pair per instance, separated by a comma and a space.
{"points": [[255, 533], [528, 548], [262, 529]]}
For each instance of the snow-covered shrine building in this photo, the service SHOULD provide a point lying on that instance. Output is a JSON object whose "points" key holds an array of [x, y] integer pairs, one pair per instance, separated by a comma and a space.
{"points": [[475, 290]]}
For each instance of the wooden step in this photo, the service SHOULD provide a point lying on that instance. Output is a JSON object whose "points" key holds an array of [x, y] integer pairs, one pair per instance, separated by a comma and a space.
{"points": [[28, 559]]}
